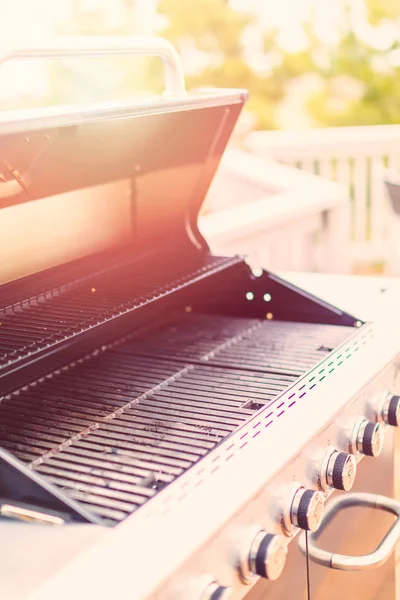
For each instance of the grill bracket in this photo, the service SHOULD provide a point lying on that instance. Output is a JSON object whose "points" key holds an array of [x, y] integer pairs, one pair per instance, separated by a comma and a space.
{"points": [[29, 490], [264, 295]]}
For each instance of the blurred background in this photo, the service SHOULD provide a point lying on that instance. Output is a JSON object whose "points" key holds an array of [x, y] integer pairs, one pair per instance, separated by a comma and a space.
{"points": [[314, 63], [324, 84]]}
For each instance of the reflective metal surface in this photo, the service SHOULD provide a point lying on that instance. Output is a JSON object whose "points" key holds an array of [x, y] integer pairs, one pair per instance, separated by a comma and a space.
{"points": [[341, 471], [307, 509], [356, 563], [81, 47], [391, 410], [268, 556], [368, 438]]}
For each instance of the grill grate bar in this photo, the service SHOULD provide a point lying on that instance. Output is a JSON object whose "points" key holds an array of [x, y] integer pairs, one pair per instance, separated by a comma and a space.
{"points": [[198, 406], [168, 453], [91, 497], [121, 430], [117, 459], [140, 420], [214, 392], [107, 470], [112, 488], [103, 445], [272, 347]]}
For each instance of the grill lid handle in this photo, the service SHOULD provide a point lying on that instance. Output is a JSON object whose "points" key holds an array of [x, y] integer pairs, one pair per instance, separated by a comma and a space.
{"points": [[96, 47], [344, 562]]}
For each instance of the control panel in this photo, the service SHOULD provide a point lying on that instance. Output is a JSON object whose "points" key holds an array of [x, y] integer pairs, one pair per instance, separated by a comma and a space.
{"points": [[255, 543]]}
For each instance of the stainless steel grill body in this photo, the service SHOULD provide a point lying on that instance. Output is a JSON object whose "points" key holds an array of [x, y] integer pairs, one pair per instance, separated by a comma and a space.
{"points": [[156, 401]]}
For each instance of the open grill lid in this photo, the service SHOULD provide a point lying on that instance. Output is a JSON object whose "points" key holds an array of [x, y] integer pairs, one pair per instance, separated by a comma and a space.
{"points": [[142, 168], [164, 154]]}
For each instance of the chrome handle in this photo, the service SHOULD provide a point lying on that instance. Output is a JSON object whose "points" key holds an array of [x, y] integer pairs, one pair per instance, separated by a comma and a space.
{"points": [[95, 47], [344, 562]]}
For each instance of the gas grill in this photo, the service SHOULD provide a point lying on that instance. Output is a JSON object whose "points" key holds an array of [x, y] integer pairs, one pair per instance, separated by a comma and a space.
{"points": [[169, 420]]}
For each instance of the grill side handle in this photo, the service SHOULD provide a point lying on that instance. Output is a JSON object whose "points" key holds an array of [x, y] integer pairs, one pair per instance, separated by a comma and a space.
{"points": [[97, 47], [344, 562]]}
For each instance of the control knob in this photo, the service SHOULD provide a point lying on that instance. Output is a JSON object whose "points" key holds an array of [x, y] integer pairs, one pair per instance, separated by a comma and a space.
{"points": [[306, 510], [216, 592], [391, 410], [338, 471], [368, 438], [266, 557]]}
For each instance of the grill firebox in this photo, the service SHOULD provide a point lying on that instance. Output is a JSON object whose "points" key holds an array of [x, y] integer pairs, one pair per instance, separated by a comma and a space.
{"points": [[112, 430]]}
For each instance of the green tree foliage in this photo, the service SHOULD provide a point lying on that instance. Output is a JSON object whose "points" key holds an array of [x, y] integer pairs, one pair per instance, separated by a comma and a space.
{"points": [[359, 84], [213, 24], [216, 30], [372, 76], [372, 82], [379, 10], [372, 73]]}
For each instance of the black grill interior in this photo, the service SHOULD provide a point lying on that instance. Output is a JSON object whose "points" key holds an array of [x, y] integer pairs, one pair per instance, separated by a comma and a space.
{"points": [[113, 430]]}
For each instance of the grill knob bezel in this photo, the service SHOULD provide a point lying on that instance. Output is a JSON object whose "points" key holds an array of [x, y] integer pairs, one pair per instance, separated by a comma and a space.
{"points": [[391, 410], [215, 591], [267, 556], [340, 471], [220, 593], [305, 510], [368, 438], [261, 554]]}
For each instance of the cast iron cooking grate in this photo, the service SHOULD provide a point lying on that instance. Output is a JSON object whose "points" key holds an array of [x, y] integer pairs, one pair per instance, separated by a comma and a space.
{"points": [[37, 323], [113, 430]]}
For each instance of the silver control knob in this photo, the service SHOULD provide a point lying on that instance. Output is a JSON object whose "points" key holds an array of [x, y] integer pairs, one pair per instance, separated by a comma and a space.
{"points": [[265, 558], [341, 471], [368, 438], [267, 555], [216, 592], [391, 410], [307, 509]]}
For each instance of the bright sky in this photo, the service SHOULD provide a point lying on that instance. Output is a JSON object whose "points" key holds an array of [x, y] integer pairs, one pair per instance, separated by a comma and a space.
{"points": [[23, 21], [22, 18]]}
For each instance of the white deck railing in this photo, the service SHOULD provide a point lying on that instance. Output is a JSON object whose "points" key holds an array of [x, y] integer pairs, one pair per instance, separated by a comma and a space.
{"points": [[353, 156], [277, 216]]}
